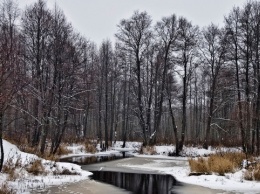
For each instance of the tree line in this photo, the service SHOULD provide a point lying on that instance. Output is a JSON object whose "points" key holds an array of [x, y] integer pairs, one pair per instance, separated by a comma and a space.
{"points": [[171, 82]]}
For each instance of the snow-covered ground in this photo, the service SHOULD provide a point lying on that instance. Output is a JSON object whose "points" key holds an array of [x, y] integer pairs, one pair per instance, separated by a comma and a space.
{"points": [[233, 182], [25, 181], [116, 149], [55, 173]]}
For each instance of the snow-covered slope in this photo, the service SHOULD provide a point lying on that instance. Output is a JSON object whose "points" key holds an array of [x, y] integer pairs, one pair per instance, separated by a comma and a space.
{"points": [[55, 173]]}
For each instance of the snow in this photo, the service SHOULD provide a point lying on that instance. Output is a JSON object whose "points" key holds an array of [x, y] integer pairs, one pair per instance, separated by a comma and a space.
{"points": [[116, 149], [231, 182], [25, 181]]}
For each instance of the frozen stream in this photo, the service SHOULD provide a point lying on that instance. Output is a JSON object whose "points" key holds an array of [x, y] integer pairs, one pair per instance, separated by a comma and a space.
{"points": [[125, 167]]}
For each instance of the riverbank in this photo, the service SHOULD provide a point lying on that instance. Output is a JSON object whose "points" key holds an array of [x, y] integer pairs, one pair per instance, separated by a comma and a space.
{"points": [[126, 166], [23, 172], [122, 165], [60, 173]]}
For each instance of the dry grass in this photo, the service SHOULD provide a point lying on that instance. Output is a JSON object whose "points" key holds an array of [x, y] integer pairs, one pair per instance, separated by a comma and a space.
{"points": [[248, 175], [50, 157], [199, 165], [62, 150], [65, 171], [90, 147], [253, 173], [10, 168], [148, 150], [28, 149], [235, 157], [256, 173], [4, 189], [36, 167], [219, 163], [68, 172]]}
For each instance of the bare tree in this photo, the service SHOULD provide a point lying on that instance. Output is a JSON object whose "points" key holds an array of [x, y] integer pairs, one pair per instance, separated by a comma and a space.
{"points": [[106, 55], [9, 62], [186, 47], [167, 33], [134, 34], [214, 55], [256, 66], [233, 31], [246, 53], [36, 22]]}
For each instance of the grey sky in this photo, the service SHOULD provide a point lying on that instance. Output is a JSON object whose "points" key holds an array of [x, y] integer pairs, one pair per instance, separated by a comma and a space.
{"points": [[97, 19]]}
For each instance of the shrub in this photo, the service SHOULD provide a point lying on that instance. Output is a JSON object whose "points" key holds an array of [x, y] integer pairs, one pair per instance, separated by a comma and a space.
{"points": [[68, 172], [51, 157], [199, 165], [256, 172], [36, 167], [148, 150], [89, 147], [10, 166], [62, 150], [28, 149], [248, 175], [221, 163], [235, 157], [65, 171], [4, 189]]}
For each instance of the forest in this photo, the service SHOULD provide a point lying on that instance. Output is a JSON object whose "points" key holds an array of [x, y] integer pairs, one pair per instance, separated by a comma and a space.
{"points": [[166, 81]]}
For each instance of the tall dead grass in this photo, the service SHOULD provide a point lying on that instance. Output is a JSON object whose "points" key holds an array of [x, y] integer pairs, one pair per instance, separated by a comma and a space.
{"points": [[219, 163], [5, 189], [90, 147], [253, 173], [256, 173], [36, 167], [63, 150], [199, 165], [10, 167], [148, 150]]}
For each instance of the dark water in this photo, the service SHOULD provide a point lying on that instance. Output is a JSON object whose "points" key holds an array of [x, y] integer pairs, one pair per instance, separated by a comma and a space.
{"points": [[84, 160], [138, 183]]}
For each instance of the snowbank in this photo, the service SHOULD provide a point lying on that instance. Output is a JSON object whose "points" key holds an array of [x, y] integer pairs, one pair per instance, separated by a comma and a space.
{"points": [[55, 173], [231, 182]]}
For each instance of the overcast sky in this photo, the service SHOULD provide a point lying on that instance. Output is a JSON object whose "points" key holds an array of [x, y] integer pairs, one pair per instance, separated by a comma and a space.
{"points": [[98, 19]]}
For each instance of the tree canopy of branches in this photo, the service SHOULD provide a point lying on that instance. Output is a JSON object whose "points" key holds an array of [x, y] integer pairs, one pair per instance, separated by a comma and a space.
{"points": [[170, 82]]}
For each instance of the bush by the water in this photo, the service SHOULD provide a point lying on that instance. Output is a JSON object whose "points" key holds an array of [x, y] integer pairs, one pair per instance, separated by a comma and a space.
{"points": [[221, 163]]}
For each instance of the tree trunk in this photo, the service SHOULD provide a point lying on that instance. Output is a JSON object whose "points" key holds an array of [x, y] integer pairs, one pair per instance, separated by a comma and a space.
{"points": [[177, 151], [184, 102], [209, 119], [139, 100], [1, 142]]}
